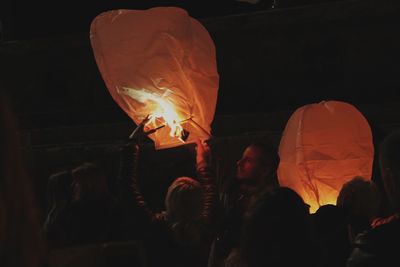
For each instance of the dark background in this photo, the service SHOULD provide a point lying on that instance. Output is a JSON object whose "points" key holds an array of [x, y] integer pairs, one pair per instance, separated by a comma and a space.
{"points": [[270, 60]]}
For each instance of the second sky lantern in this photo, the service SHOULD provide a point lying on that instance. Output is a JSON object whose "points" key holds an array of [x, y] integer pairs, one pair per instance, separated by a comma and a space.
{"points": [[323, 146]]}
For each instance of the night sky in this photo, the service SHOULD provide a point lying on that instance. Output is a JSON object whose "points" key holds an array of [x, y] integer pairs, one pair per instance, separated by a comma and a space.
{"points": [[23, 19], [276, 61]]}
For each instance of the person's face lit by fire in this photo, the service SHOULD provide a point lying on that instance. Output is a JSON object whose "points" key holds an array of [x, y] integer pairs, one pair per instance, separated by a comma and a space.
{"points": [[252, 165]]}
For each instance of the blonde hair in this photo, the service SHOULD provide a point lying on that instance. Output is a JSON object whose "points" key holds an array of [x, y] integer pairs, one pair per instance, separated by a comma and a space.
{"points": [[183, 200], [184, 206]]}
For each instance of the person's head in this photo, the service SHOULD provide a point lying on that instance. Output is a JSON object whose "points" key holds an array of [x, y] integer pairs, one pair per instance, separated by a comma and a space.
{"points": [[89, 182], [389, 161], [279, 228], [258, 164], [59, 189], [329, 220], [184, 200], [360, 200], [59, 195], [184, 205], [331, 229]]}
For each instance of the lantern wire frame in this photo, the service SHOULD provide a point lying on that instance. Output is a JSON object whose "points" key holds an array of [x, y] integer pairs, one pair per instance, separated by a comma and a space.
{"points": [[139, 130]]}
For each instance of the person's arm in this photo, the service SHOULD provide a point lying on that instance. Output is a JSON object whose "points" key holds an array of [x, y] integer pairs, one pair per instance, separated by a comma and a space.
{"points": [[207, 180], [130, 166]]}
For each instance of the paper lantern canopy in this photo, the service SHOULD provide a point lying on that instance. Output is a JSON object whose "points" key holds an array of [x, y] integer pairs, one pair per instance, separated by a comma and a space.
{"points": [[323, 146], [159, 63]]}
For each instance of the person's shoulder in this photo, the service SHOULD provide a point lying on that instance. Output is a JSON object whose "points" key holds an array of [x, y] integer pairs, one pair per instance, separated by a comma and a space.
{"points": [[389, 220], [388, 233], [379, 246], [382, 239]]}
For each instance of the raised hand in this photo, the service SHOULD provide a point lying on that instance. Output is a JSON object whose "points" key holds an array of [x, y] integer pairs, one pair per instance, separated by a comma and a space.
{"points": [[203, 152]]}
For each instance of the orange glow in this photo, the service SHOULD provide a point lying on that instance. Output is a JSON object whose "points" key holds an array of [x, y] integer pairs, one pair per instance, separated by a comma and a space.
{"points": [[160, 110], [323, 146]]}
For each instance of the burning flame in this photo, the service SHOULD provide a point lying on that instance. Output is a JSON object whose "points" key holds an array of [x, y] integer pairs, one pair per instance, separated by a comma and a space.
{"points": [[160, 109]]}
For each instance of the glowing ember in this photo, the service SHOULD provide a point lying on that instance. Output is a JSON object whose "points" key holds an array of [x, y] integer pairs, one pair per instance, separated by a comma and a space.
{"points": [[159, 109]]}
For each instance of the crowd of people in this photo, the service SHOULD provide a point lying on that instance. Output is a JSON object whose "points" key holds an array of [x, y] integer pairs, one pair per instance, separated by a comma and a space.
{"points": [[250, 222]]}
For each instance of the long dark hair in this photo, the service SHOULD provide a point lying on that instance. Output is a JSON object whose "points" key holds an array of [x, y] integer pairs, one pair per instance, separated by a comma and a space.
{"points": [[89, 182], [21, 240]]}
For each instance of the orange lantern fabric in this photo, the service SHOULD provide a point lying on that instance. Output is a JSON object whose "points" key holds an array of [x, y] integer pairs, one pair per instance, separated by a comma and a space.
{"points": [[323, 146], [159, 62]]}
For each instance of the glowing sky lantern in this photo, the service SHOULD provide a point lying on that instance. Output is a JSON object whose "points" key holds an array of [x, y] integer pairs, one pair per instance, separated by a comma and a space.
{"points": [[323, 146], [159, 63]]}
